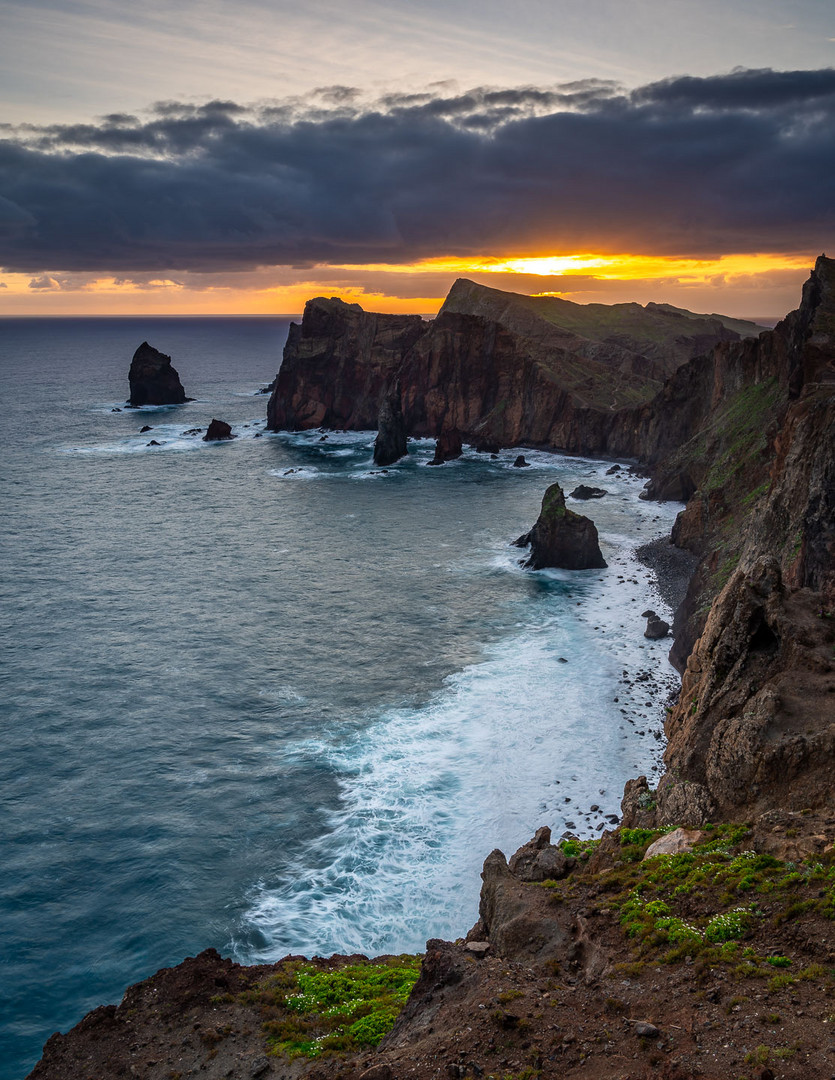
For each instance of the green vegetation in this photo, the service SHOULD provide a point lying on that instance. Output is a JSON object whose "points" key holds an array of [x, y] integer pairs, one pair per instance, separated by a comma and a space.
{"points": [[578, 849], [709, 904], [308, 1011]]}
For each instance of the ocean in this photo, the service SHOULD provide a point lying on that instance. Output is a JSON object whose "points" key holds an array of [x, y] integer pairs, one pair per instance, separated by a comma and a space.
{"points": [[262, 696]]}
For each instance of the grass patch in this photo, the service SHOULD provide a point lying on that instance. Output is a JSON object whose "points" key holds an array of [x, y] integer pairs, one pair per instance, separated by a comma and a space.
{"points": [[309, 1011]]}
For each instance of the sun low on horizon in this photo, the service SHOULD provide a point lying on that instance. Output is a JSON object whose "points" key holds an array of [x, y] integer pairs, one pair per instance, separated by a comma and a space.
{"points": [[759, 285], [680, 155]]}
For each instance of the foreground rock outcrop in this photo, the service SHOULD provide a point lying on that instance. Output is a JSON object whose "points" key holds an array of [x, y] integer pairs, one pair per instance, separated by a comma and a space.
{"points": [[561, 538], [632, 964], [153, 380]]}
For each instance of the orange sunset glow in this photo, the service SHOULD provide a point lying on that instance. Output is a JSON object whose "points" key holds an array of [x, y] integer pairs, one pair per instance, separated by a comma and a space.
{"points": [[735, 283]]}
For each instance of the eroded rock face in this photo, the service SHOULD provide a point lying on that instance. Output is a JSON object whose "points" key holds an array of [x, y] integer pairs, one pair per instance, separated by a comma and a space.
{"points": [[561, 538], [337, 365], [754, 726], [390, 444], [448, 447], [539, 859], [518, 926], [153, 380]]}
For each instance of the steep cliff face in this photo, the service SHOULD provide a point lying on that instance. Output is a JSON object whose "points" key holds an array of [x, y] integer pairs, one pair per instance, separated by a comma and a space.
{"points": [[500, 368], [337, 365], [754, 727]]}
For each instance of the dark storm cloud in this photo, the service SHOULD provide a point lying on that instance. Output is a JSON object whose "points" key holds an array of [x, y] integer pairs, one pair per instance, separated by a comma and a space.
{"points": [[740, 162]]}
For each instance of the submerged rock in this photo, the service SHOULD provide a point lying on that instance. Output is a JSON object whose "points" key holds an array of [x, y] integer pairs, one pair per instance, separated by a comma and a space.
{"points": [[218, 430], [561, 538], [390, 444], [448, 447], [153, 381]]}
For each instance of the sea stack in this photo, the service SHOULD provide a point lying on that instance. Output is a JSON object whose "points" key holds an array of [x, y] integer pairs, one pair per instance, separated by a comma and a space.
{"points": [[153, 381], [448, 447], [217, 431], [561, 538], [390, 444]]}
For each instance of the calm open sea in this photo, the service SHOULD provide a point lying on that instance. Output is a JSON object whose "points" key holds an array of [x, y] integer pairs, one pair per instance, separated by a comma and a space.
{"points": [[260, 696]]}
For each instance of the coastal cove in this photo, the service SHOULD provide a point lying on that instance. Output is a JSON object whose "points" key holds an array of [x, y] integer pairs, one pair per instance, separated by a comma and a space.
{"points": [[264, 697]]}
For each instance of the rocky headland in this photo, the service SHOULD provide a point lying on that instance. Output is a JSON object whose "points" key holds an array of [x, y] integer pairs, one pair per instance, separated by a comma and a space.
{"points": [[712, 955], [153, 379]]}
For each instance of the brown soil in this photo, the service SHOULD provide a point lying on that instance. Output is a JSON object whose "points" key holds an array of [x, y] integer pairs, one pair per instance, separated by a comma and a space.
{"points": [[575, 1010]]}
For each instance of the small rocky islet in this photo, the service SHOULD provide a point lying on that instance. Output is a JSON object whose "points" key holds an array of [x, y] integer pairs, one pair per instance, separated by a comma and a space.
{"points": [[603, 957]]}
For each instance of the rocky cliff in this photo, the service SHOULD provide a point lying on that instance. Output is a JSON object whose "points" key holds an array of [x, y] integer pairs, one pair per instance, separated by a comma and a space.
{"points": [[754, 727], [337, 366], [502, 369], [595, 959]]}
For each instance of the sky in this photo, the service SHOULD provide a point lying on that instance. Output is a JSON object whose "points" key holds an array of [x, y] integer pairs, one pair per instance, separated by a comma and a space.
{"points": [[213, 157]]}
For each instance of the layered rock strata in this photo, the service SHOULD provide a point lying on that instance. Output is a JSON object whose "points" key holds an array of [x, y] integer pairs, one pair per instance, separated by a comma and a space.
{"points": [[501, 369]]}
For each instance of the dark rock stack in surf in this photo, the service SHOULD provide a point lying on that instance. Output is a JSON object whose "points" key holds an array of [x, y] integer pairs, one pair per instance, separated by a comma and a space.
{"points": [[448, 447], [561, 538], [153, 381], [390, 444], [583, 491], [218, 431]]}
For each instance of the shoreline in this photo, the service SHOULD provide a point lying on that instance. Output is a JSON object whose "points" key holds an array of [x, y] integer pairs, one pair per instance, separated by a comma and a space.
{"points": [[672, 566]]}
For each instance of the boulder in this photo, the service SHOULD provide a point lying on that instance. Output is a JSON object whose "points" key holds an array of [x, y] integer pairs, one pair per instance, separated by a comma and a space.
{"points": [[448, 447], [520, 463], [674, 843], [656, 628], [153, 381], [585, 492], [539, 859], [562, 538], [218, 430], [390, 444]]}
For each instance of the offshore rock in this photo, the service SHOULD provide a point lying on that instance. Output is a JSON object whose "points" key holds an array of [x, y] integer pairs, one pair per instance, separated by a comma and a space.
{"points": [[583, 491], [217, 431], [656, 628], [561, 538], [390, 444], [521, 463], [448, 447], [153, 381]]}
